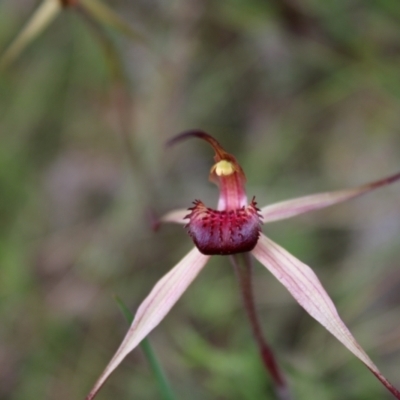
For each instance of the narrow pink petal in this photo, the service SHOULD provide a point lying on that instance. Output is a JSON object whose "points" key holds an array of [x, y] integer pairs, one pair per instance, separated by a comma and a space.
{"points": [[301, 205], [305, 287], [153, 309], [175, 216]]}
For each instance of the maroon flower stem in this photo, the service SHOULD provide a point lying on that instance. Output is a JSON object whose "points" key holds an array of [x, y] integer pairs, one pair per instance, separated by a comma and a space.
{"points": [[242, 264]]}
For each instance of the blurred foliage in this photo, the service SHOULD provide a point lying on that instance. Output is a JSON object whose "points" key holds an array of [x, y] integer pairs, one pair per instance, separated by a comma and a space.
{"points": [[305, 94]]}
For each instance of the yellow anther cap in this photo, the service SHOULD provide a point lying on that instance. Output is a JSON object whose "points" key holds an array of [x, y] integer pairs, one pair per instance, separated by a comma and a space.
{"points": [[224, 168]]}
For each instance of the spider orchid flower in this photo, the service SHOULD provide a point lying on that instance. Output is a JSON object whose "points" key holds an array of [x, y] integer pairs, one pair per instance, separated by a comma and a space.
{"points": [[235, 227]]}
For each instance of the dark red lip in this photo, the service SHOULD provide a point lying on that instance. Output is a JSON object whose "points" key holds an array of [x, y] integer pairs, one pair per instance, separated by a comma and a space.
{"points": [[224, 232]]}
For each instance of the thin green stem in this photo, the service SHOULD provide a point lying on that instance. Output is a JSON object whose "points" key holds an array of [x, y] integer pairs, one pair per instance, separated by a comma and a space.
{"points": [[161, 378], [242, 264]]}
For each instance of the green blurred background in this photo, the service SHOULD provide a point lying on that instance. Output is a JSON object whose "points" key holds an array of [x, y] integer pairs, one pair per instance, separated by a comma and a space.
{"points": [[305, 93]]}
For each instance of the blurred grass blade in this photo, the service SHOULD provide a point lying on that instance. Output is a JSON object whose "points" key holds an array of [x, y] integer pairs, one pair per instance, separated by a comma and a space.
{"points": [[163, 384], [42, 17], [107, 16]]}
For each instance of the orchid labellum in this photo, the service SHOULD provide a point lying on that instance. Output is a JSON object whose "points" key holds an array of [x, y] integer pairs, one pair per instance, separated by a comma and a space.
{"points": [[233, 228]]}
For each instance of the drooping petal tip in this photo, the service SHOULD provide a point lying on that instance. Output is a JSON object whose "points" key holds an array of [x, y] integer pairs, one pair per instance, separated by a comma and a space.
{"points": [[154, 221]]}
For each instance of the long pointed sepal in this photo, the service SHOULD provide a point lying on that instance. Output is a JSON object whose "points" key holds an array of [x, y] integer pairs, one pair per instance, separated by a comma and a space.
{"points": [[301, 205], [175, 216], [154, 308], [305, 287]]}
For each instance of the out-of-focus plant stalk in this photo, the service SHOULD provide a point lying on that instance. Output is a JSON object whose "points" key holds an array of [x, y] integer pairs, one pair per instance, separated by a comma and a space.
{"points": [[41, 18], [108, 17], [161, 378], [48, 11], [120, 100], [242, 264]]}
